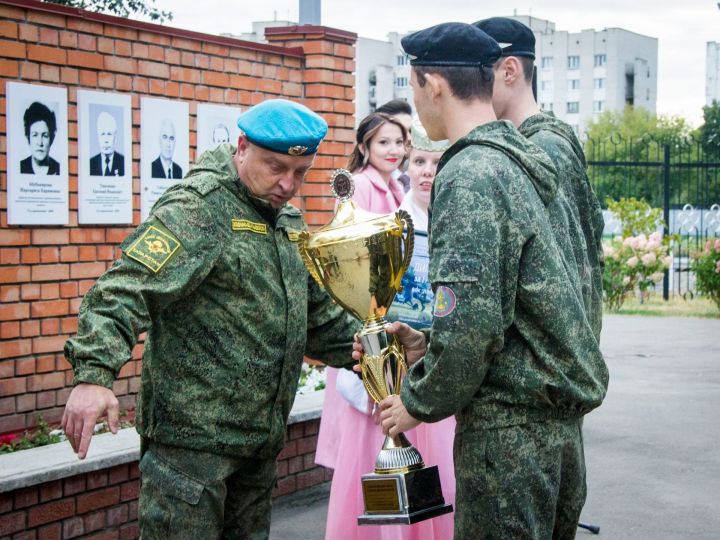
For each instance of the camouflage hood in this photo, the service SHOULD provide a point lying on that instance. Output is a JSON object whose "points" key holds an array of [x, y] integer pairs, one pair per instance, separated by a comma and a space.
{"points": [[218, 161], [503, 136], [541, 121]]}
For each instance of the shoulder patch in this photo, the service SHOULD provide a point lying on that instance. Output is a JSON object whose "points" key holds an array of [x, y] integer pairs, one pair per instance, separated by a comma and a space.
{"points": [[154, 248], [445, 301], [247, 225], [293, 235]]}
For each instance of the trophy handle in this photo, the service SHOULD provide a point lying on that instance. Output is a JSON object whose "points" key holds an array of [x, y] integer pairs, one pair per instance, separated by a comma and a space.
{"points": [[408, 239], [307, 260]]}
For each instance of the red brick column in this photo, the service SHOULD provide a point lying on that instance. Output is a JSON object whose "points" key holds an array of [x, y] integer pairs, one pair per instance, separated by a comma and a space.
{"points": [[328, 88]]}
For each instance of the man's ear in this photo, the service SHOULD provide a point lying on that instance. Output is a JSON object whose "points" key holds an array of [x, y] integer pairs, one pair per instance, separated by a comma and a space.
{"points": [[511, 69], [437, 86]]}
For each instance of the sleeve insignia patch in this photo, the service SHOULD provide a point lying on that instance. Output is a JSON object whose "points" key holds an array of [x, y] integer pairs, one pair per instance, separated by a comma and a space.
{"points": [[154, 248], [292, 235], [445, 301], [245, 225]]}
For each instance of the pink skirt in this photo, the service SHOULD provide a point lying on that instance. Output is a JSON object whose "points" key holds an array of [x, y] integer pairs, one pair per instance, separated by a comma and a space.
{"points": [[349, 442]]}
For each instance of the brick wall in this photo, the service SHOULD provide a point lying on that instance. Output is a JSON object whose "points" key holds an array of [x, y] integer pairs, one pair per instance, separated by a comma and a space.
{"points": [[100, 504], [104, 504], [45, 271]]}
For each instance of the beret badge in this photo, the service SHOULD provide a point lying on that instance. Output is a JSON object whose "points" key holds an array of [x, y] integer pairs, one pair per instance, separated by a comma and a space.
{"points": [[297, 150]]}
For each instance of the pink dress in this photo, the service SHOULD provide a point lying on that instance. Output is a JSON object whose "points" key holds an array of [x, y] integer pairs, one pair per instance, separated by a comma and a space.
{"points": [[349, 440]]}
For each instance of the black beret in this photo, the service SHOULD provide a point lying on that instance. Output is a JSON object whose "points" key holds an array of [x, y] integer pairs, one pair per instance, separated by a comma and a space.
{"points": [[451, 44], [514, 37]]}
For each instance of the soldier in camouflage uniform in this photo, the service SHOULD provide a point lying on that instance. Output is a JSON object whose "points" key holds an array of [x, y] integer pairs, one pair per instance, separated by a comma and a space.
{"points": [[510, 352], [575, 213], [215, 278]]}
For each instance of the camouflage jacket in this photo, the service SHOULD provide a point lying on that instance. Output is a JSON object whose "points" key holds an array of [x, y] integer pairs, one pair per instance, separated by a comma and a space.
{"points": [[509, 329], [586, 223], [215, 278]]}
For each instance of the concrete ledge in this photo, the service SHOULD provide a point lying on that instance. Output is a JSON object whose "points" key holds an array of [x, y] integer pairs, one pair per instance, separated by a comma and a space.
{"points": [[55, 461]]}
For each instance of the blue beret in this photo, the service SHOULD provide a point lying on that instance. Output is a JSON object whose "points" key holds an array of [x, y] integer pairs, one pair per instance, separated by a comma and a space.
{"points": [[451, 44], [514, 37], [283, 126]]}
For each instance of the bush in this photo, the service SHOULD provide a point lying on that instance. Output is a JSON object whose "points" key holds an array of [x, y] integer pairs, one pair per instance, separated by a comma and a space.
{"points": [[706, 265], [636, 216], [635, 262]]}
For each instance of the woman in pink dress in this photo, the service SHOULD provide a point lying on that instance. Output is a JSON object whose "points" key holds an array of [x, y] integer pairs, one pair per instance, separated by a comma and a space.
{"points": [[349, 438]]}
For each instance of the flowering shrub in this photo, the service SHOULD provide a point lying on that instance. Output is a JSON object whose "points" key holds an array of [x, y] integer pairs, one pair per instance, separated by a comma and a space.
{"points": [[312, 379], [636, 262], [706, 266], [40, 437]]}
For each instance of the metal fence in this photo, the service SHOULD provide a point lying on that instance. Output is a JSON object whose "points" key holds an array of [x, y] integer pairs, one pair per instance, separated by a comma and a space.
{"points": [[679, 177]]}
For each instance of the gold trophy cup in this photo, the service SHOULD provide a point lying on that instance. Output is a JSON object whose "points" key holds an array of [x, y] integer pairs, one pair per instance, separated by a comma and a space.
{"points": [[360, 258]]}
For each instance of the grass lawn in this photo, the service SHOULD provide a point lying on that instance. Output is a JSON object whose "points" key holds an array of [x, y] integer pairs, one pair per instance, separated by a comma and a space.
{"points": [[675, 307]]}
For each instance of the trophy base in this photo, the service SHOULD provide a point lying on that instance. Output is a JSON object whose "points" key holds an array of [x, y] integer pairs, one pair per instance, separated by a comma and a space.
{"points": [[402, 498]]}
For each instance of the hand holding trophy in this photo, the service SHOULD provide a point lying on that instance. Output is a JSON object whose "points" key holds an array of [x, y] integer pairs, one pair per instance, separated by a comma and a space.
{"points": [[360, 258]]}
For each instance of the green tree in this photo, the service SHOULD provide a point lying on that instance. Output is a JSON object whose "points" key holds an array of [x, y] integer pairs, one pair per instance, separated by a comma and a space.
{"points": [[709, 132], [122, 8], [630, 143]]}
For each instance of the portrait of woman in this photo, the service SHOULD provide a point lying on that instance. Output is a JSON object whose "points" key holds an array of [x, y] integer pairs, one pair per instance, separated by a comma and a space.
{"points": [[40, 129]]}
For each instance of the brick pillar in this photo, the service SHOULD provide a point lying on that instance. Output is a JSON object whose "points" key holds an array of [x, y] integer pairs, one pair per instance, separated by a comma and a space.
{"points": [[328, 82]]}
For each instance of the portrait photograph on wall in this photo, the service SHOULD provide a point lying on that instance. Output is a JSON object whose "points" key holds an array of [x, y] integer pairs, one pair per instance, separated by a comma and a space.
{"points": [[105, 158], [37, 154], [216, 124], [164, 148]]}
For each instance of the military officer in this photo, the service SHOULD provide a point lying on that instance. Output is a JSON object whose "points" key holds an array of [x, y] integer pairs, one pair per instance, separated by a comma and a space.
{"points": [[215, 278], [510, 352], [575, 214]]}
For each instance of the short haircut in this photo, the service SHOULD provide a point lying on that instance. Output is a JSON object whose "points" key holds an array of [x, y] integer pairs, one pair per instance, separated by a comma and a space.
{"points": [[38, 112], [367, 129], [466, 82], [527, 63], [395, 106]]}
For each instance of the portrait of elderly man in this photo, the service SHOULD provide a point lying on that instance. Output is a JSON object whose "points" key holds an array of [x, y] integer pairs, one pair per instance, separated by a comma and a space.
{"points": [[40, 129], [164, 166], [107, 162], [220, 134]]}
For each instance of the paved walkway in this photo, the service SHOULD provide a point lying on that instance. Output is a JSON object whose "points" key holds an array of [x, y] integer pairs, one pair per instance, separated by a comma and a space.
{"points": [[652, 449]]}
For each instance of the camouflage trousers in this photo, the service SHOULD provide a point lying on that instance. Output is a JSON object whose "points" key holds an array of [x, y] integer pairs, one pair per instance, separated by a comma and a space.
{"points": [[520, 482], [186, 494]]}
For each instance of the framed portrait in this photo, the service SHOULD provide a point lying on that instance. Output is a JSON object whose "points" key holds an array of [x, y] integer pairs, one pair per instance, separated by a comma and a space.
{"points": [[414, 303], [216, 124], [105, 158], [164, 148], [37, 154]]}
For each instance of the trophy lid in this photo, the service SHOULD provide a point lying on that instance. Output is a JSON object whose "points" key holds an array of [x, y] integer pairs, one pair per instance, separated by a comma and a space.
{"points": [[349, 221]]}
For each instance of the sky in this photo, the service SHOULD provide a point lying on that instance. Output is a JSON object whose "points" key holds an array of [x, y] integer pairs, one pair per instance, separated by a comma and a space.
{"points": [[683, 28]]}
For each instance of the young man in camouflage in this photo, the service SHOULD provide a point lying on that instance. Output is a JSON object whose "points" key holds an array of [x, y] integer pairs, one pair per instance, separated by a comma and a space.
{"points": [[215, 278], [575, 214], [510, 352]]}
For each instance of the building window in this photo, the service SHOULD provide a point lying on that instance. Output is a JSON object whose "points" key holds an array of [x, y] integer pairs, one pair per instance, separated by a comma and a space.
{"points": [[573, 84], [573, 106], [545, 85], [598, 106], [598, 83], [573, 62], [546, 107], [600, 60], [401, 82], [648, 94], [546, 62], [402, 60]]}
